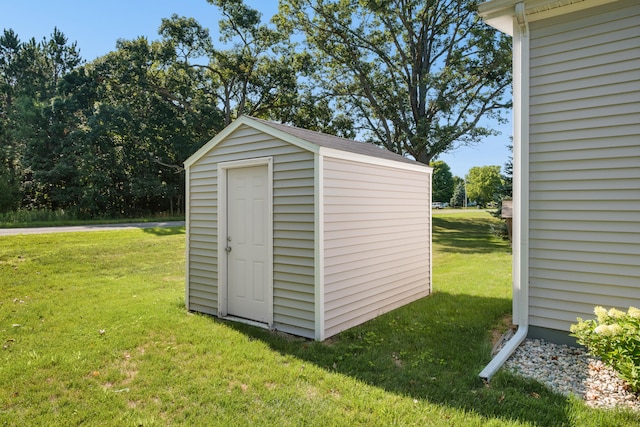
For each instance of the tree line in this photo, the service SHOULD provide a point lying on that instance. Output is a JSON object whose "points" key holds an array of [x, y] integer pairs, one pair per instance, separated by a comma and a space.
{"points": [[482, 185], [109, 137]]}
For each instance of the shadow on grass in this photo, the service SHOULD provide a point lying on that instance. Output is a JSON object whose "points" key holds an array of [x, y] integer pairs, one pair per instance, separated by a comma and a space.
{"points": [[433, 350], [466, 235], [165, 231]]}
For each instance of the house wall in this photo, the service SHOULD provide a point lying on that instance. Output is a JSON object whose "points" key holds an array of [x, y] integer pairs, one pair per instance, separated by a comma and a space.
{"points": [[293, 234], [376, 240], [584, 175]]}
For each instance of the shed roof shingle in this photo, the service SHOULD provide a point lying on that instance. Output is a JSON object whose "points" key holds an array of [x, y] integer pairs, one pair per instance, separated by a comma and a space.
{"points": [[335, 142]]}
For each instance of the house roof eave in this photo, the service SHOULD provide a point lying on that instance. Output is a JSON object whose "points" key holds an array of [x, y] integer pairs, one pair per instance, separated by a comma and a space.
{"points": [[500, 13]]}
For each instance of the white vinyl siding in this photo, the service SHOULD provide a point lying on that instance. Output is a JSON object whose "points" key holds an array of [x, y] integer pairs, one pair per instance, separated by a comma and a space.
{"points": [[584, 172], [293, 227], [376, 240]]}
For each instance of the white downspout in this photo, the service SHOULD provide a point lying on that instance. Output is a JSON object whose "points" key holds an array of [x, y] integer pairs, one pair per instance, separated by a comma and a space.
{"points": [[520, 269]]}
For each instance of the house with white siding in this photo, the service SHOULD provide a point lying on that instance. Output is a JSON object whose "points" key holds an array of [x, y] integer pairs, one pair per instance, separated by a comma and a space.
{"points": [[303, 232], [576, 224]]}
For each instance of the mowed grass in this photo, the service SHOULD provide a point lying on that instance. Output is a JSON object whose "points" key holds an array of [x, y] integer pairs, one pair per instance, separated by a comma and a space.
{"points": [[94, 332]]}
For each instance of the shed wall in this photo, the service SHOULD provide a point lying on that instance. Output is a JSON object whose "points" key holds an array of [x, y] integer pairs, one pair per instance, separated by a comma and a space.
{"points": [[376, 240], [584, 164], [293, 233]]}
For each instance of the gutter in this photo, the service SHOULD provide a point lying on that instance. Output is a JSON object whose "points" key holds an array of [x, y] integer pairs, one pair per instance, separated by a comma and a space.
{"points": [[521, 192]]}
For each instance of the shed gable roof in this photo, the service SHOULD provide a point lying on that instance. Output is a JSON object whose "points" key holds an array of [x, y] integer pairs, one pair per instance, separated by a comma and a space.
{"points": [[335, 142], [303, 138]]}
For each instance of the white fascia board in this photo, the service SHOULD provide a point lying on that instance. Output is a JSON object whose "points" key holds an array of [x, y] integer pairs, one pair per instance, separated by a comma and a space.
{"points": [[248, 121], [346, 155]]}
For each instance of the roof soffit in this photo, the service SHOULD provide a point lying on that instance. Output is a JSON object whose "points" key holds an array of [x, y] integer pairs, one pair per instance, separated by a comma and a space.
{"points": [[500, 13]]}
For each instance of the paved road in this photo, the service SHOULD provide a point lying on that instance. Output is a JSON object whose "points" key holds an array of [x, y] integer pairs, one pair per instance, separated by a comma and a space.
{"points": [[77, 228]]}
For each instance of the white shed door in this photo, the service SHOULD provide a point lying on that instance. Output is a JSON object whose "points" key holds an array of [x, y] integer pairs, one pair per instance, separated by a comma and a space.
{"points": [[247, 239]]}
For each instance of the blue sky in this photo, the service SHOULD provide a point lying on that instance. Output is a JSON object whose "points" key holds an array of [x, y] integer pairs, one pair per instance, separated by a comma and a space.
{"points": [[96, 26]]}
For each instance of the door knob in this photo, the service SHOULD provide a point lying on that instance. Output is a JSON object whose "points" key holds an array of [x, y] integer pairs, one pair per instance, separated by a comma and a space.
{"points": [[228, 249]]}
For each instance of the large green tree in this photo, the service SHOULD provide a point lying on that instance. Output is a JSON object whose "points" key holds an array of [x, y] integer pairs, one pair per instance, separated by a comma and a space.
{"points": [[507, 176], [150, 116], [442, 182], [483, 184], [253, 69], [459, 194], [34, 124], [9, 72], [417, 76], [105, 138], [110, 137]]}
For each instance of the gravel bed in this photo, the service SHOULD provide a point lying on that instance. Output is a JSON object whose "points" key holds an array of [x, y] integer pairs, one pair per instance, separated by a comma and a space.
{"points": [[570, 370]]}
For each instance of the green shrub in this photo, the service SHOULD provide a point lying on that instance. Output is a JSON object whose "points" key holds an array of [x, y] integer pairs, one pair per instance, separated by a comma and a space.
{"points": [[500, 229], [614, 337]]}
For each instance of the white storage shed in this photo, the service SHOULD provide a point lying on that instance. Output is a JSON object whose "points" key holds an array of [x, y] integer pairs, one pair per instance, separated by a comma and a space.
{"points": [[304, 232]]}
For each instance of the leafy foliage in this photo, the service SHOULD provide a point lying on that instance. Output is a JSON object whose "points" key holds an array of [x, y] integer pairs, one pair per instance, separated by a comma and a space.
{"points": [[614, 337], [109, 138], [9, 191], [261, 74], [417, 76], [106, 138], [504, 192], [442, 182], [457, 198], [483, 183]]}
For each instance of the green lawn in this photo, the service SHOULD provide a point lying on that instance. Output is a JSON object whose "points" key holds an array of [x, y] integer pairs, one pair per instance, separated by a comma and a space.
{"points": [[94, 332]]}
